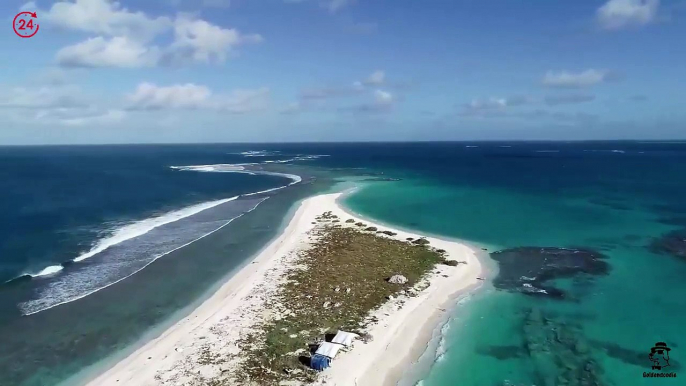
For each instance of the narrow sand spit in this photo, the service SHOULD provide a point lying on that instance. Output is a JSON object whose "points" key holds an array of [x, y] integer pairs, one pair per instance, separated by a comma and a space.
{"points": [[193, 350]]}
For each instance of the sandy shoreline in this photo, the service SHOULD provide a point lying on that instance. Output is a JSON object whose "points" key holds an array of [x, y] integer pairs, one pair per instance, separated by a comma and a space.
{"points": [[177, 356]]}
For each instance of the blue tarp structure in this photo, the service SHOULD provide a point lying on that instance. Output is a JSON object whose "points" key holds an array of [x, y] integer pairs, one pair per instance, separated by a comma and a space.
{"points": [[323, 356], [319, 362]]}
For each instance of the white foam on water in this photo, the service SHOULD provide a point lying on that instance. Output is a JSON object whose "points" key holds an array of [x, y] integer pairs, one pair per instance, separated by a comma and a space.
{"points": [[274, 153], [47, 271], [144, 226], [35, 306], [239, 168], [211, 168], [257, 153], [442, 348], [470, 146], [297, 158], [534, 289], [132, 230], [606, 151], [442, 344]]}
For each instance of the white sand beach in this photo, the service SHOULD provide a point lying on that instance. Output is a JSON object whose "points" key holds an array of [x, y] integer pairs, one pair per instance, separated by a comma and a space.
{"points": [[404, 328]]}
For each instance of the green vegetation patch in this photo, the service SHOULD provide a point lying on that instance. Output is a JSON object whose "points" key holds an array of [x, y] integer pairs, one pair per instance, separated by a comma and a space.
{"points": [[339, 280]]}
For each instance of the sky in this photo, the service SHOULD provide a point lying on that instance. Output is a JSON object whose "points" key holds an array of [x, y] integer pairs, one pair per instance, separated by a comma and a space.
{"points": [[178, 71]]}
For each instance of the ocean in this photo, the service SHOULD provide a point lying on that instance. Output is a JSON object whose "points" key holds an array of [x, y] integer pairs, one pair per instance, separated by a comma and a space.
{"points": [[101, 247]]}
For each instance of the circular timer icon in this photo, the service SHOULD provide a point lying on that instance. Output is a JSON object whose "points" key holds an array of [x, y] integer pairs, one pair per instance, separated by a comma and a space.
{"points": [[24, 24]]}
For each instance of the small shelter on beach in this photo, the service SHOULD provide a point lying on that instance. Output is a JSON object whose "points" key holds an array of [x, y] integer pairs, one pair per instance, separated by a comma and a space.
{"points": [[344, 338], [327, 350], [323, 356]]}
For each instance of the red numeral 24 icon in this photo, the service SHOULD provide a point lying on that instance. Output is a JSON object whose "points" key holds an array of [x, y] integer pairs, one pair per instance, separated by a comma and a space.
{"points": [[24, 25]]}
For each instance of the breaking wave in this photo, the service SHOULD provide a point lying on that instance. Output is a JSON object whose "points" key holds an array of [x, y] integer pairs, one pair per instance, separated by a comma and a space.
{"points": [[132, 247], [442, 345], [127, 232], [258, 153], [237, 168], [605, 151], [142, 227], [47, 271], [268, 153], [123, 261]]}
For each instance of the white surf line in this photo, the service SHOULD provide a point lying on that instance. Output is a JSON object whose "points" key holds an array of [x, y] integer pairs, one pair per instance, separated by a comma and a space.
{"points": [[117, 236], [47, 271], [130, 231], [238, 168], [152, 261]]}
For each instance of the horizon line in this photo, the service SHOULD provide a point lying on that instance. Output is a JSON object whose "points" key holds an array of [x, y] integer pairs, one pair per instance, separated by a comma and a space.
{"points": [[676, 140]]}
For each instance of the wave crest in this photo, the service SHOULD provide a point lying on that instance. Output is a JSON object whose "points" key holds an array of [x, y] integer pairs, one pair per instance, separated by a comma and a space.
{"points": [[238, 168], [61, 290], [47, 271]]}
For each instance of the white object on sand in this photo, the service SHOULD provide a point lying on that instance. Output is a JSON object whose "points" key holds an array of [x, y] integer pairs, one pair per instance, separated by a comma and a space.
{"points": [[344, 338], [328, 349]]}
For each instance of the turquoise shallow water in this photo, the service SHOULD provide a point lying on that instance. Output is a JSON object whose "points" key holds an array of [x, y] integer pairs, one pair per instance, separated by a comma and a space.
{"points": [[619, 316]]}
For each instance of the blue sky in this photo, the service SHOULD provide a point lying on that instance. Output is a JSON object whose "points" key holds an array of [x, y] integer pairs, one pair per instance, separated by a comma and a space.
{"points": [[100, 71]]}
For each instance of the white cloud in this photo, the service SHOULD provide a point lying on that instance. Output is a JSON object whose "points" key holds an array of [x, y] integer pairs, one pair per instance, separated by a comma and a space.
{"points": [[553, 100], [204, 42], [376, 78], [617, 14], [336, 5], [536, 115], [243, 101], [318, 98], [383, 102], [566, 79], [91, 116], [105, 17], [125, 37], [323, 93], [149, 96], [383, 98], [477, 106], [63, 105], [292, 108], [489, 104], [117, 51], [52, 76], [30, 6], [40, 98]]}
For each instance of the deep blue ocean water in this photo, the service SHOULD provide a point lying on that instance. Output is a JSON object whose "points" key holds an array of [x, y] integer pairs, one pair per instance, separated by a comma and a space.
{"points": [[119, 210]]}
